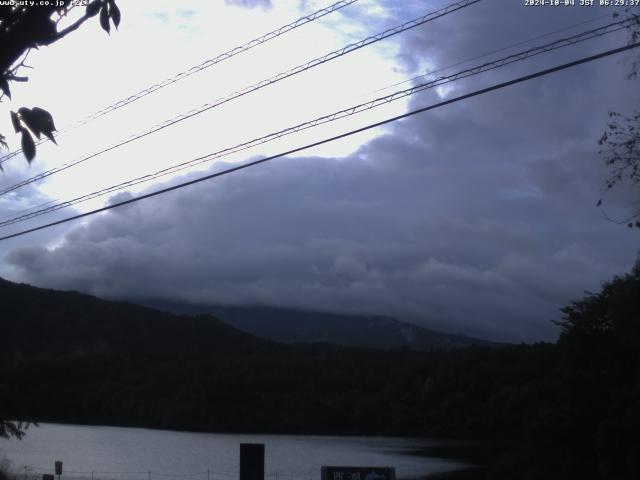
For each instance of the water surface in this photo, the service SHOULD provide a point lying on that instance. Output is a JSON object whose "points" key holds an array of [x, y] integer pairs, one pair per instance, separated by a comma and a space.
{"points": [[143, 454]]}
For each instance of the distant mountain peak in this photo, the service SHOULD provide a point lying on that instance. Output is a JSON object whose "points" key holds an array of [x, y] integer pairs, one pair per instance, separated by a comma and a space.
{"points": [[290, 325]]}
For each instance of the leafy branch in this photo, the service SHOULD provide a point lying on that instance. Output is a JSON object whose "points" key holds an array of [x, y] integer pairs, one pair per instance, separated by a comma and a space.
{"points": [[620, 142], [23, 28]]}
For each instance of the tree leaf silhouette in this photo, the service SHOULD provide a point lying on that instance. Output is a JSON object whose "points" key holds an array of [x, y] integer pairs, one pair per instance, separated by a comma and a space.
{"points": [[4, 86], [104, 18], [3, 144], [29, 25], [44, 122], [30, 120], [16, 122], [28, 145], [93, 8], [114, 11]]}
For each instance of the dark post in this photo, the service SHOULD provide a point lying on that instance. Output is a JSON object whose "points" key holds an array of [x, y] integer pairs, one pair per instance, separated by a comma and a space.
{"points": [[58, 468], [252, 461]]}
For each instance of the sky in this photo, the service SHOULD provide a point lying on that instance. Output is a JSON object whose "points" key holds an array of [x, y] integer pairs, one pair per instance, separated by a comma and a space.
{"points": [[478, 217]]}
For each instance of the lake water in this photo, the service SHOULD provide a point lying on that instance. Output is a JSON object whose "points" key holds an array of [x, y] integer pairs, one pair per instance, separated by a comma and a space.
{"points": [[142, 454]]}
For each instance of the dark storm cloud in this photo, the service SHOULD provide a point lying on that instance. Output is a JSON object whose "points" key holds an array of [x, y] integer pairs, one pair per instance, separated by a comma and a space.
{"points": [[17, 203], [346, 235], [491, 25], [478, 217]]}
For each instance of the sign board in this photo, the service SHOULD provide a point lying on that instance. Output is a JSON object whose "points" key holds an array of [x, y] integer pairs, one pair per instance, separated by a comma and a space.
{"points": [[58, 465], [358, 473]]}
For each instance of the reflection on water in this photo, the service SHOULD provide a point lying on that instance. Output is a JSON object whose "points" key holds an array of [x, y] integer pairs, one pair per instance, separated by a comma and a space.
{"points": [[112, 453]]}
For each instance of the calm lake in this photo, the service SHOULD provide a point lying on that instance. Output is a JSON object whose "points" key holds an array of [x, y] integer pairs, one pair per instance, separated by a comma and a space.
{"points": [[141, 454]]}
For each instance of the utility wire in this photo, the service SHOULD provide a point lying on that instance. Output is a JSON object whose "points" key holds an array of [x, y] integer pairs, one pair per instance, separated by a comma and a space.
{"points": [[581, 37], [281, 76], [198, 68], [498, 86], [34, 207]]}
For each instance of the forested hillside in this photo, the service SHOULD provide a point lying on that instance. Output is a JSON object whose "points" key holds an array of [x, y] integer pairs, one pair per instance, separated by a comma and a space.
{"points": [[569, 407]]}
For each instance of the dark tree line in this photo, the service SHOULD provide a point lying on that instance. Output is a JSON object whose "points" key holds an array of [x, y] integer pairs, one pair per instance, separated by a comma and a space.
{"points": [[569, 410]]}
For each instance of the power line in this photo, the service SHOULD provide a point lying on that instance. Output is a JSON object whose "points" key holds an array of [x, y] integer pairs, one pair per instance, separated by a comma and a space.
{"points": [[198, 68], [331, 139], [34, 207], [264, 83], [583, 36], [516, 57]]}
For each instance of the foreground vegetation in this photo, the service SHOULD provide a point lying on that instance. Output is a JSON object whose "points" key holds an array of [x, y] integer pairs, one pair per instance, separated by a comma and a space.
{"points": [[570, 409]]}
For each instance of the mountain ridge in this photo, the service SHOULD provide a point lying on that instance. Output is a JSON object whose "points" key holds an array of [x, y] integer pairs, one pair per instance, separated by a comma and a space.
{"points": [[81, 322], [291, 325]]}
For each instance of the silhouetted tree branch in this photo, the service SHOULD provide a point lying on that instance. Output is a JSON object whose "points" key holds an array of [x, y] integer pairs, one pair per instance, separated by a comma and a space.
{"points": [[10, 429], [620, 142], [24, 27]]}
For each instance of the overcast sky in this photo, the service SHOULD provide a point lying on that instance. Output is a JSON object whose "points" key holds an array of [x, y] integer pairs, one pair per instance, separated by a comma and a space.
{"points": [[477, 218]]}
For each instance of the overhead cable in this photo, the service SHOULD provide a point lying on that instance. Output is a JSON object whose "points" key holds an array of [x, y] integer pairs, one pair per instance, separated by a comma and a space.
{"points": [[198, 68], [493, 52], [498, 86], [264, 83], [517, 57]]}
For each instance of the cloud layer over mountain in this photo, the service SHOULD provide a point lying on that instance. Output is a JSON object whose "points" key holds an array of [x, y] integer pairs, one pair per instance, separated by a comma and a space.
{"points": [[476, 218]]}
